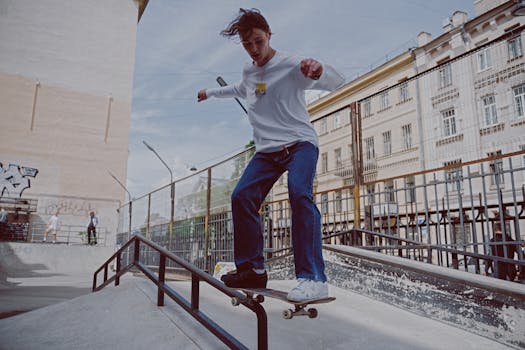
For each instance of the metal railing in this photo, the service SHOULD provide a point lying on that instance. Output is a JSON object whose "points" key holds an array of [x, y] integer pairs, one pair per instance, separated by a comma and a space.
{"points": [[444, 216], [67, 234], [139, 260]]}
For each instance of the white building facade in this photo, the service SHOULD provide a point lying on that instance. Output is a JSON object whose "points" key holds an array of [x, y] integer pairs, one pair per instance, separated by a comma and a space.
{"points": [[66, 76]]}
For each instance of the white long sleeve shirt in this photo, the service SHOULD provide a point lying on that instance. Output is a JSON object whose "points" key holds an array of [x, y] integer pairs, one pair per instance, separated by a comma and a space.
{"points": [[279, 117]]}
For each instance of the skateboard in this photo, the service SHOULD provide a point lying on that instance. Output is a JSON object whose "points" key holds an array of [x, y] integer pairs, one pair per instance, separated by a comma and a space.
{"points": [[300, 307]]}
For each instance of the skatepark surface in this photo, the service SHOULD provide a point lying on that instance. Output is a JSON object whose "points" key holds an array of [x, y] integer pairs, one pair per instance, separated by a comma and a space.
{"points": [[66, 315], [126, 317]]}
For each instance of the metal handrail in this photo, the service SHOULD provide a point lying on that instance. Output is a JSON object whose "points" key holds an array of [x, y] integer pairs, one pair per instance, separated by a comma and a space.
{"points": [[415, 245], [190, 306]]}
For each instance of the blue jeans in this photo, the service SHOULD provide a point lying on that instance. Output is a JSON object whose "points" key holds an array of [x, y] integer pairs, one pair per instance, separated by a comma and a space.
{"points": [[262, 172]]}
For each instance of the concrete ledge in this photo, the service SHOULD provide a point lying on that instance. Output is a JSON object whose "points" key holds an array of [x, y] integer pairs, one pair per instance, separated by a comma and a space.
{"points": [[482, 305]]}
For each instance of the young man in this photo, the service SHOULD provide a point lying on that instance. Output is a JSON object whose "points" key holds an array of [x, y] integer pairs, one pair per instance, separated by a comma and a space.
{"points": [[92, 227], [273, 86]]}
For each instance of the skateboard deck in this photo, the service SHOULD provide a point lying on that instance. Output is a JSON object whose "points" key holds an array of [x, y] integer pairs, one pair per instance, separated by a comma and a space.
{"points": [[300, 307]]}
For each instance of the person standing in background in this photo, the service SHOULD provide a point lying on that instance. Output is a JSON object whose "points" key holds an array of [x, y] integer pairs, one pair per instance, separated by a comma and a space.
{"points": [[3, 221], [52, 226], [92, 228]]}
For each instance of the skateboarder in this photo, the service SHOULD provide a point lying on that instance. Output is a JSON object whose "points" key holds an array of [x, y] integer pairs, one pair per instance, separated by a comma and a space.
{"points": [[273, 85]]}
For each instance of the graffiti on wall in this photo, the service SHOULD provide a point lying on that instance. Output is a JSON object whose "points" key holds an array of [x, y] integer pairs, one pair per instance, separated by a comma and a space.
{"points": [[69, 207], [15, 179]]}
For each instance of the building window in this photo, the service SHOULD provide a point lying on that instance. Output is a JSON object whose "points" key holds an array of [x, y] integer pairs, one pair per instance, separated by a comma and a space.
{"points": [[387, 143], [445, 76], [389, 192], [338, 159], [454, 175], [370, 151], [484, 60], [462, 234], [515, 49], [324, 162], [489, 110], [496, 169], [383, 101], [403, 93], [324, 203], [410, 191], [449, 122], [338, 202], [350, 200], [323, 129], [370, 189], [407, 136], [337, 121], [366, 108], [519, 100]]}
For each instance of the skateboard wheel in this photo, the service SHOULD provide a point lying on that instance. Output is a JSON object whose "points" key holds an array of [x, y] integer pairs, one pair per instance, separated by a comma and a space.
{"points": [[235, 302], [287, 314], [312, 313], [259, 298]]}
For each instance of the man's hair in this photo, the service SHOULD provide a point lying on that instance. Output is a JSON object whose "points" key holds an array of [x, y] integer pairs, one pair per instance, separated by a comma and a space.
{"points": [[245, 22]]}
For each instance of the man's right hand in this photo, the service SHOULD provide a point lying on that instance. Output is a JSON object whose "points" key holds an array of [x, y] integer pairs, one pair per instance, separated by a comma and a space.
{"points": [[201, 96]]}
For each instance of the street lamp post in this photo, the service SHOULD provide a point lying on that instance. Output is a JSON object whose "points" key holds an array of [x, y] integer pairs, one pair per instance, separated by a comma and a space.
{"points": [[129, 198], [172, 187], [222, 82]]}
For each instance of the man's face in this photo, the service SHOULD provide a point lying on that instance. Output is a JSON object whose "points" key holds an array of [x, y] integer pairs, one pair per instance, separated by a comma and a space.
{"points": [[257, 45]]}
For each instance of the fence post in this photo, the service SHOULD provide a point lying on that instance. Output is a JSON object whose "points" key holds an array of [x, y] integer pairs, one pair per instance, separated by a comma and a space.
{"points": [[117, 278], [162, 279], [207, 224], [136, 251]]}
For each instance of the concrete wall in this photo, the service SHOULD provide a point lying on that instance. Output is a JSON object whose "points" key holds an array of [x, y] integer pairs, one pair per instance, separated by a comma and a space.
{"points": [[66, 76]]}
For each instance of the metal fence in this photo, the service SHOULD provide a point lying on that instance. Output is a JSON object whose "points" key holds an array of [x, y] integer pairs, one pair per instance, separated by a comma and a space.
{"points": [[444, 216], [66, 234]]}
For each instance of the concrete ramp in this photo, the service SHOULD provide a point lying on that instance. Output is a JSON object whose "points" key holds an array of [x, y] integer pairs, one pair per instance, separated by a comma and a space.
{"points": [[36, 275], [126, 317]]}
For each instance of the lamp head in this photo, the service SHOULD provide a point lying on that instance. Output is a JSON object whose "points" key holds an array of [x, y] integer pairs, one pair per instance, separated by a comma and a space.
{"points": [[519, 8], [148, 146]]}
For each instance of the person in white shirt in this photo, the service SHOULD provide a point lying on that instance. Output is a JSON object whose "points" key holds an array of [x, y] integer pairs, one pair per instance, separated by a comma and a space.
{"points": [[3, 221], [92, 228], [52, 226], [273, 85]]}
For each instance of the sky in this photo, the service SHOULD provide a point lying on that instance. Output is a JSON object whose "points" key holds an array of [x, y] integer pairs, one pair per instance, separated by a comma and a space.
{"points": [[179, 51]]}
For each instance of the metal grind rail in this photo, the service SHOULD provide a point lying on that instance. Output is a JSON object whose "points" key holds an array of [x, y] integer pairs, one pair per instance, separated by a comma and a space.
{"points": [[190, 306]]}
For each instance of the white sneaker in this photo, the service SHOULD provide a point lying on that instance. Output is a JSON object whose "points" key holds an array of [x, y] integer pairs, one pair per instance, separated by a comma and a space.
{"points": [[308, 289]]}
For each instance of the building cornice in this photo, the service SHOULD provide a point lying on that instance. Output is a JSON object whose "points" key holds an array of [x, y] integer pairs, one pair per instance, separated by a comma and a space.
{"points": [[365, 80]]}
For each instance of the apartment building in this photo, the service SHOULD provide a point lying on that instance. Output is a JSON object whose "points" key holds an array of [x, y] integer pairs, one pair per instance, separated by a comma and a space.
{"points": [[66, 76], [455, 98], [472, 98], [472, 94]]}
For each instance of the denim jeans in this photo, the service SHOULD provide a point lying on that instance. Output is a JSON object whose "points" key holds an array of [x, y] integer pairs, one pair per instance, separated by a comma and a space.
{"points": [[263, 170]]}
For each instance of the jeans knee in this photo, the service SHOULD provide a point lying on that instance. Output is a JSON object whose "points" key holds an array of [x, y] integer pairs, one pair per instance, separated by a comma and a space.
{"points": [[240, 197], [300, 196]]}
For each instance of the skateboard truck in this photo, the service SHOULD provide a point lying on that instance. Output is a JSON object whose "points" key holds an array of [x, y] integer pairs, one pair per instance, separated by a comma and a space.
{"points": [[300, 308], [259, 298]]}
